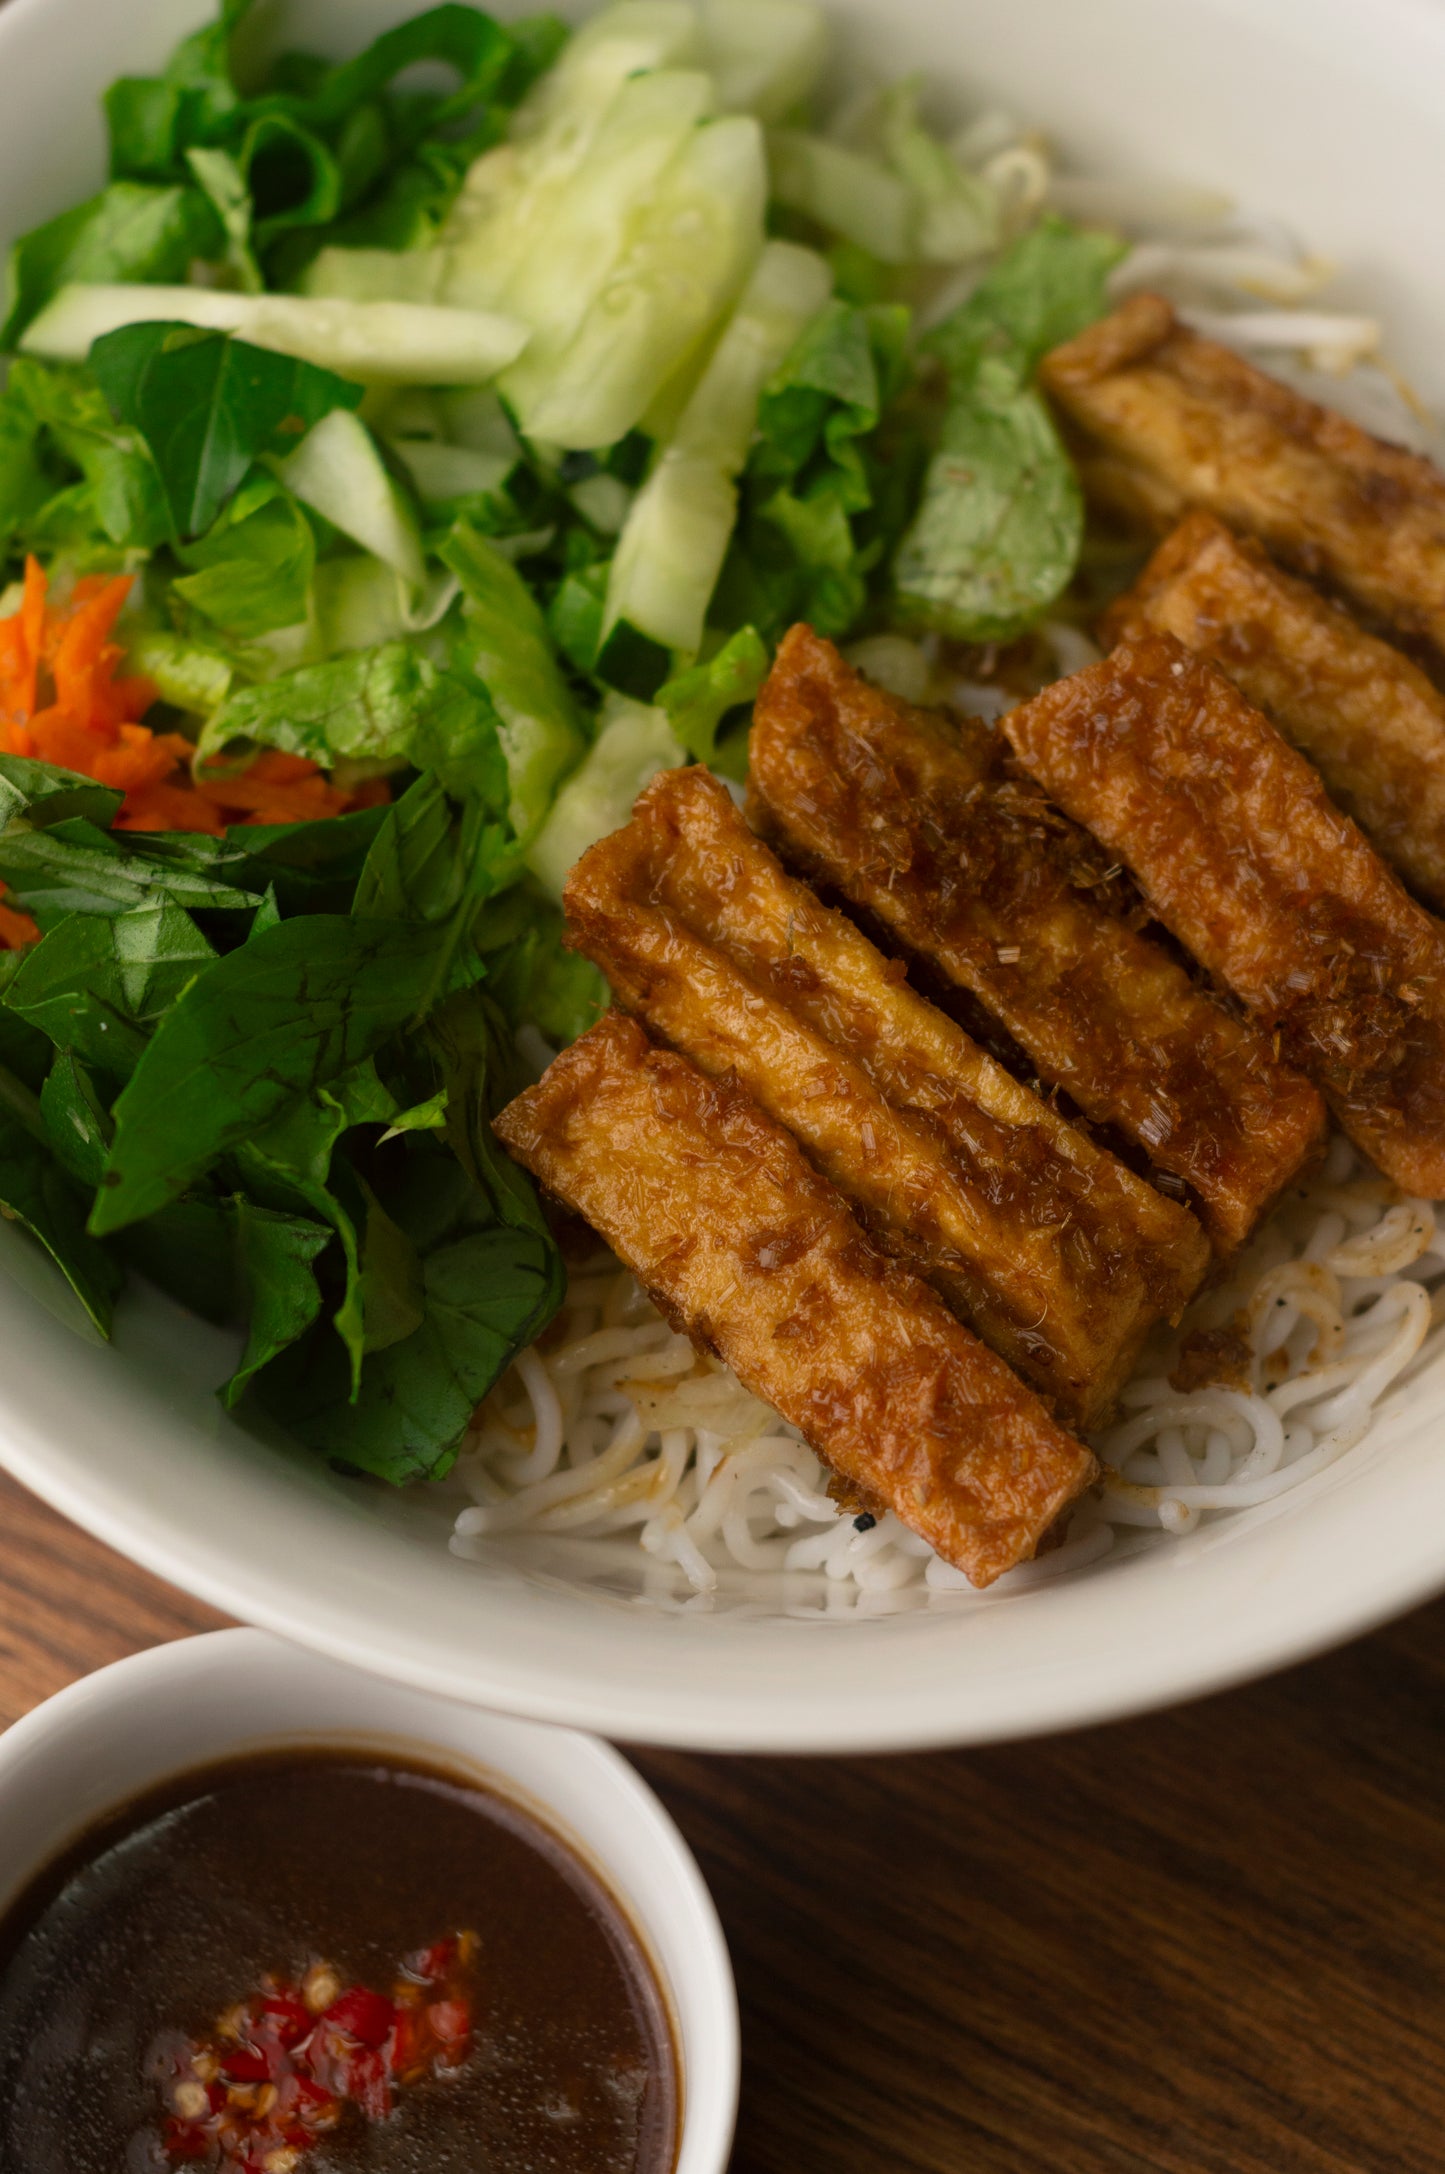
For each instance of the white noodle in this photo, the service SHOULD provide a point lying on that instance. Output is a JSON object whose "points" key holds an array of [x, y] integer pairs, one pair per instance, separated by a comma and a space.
{"points": [[708, 1481]]}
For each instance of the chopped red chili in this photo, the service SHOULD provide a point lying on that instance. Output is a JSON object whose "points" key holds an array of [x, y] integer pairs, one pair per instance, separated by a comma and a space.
{"points": [[283, 2067]]}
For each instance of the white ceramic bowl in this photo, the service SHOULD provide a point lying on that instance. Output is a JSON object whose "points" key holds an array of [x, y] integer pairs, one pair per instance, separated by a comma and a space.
{"points": [[133, 1726], [1327, 112]]}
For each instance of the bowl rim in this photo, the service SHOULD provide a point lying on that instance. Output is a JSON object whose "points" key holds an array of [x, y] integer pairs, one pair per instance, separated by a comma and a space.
{"points": [[190, 1668]]}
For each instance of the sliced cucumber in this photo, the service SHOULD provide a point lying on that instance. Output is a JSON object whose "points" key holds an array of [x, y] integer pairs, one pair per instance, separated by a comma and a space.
{"points": [[691, 248], [440, 472], [845, 191], [405, 343], [616, 43], [338, 470], [763, 55], [633, 743], [671, 551], [577, 248], [375, 275], [511, 192]]}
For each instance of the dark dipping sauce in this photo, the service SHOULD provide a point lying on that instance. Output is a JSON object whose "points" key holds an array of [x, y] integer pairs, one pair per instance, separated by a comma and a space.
{"points": [[177, 1908]]}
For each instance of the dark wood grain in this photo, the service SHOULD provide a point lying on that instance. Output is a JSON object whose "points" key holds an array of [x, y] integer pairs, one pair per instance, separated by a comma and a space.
{"points": [[1209, 1942]]}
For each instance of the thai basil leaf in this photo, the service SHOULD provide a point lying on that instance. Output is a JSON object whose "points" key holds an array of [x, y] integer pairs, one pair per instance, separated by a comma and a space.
{"points": [[37, 1193], [131, 231], [275, 1260], [77, 1124], [260, 1030], [188, 1250], [44, 794], [72, 867], [479, 49], [97, 984], [311, 867], [207, 404], [485, 1295], [434, 859]]}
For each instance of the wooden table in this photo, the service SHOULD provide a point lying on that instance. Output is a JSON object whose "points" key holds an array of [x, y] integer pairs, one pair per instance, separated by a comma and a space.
{"points": [[1211, 1942]]}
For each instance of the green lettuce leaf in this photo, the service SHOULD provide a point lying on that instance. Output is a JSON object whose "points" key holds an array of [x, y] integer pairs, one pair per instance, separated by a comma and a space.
{"points": [[697, 700], [822, 493], [252, 569], [385, 704], [503, 644], [996, 536], [72, 480]]}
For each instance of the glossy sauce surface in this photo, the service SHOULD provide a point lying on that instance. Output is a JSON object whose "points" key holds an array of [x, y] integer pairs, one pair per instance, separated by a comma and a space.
{"points": [[180, 1906]]}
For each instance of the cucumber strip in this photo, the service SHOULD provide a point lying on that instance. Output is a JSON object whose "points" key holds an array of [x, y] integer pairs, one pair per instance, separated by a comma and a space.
{"points": [[440, 472], [337, 469], [763, 55], [691, 249], [511, 192], [633, 743], [616, 43], [504, 643], [375, 275], [671, 551], [643, 130], [846, 192], [406, 343]]}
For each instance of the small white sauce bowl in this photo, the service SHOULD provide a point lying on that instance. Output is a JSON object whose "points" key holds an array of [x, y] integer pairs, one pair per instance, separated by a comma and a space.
{"points": [[128, 1728]]}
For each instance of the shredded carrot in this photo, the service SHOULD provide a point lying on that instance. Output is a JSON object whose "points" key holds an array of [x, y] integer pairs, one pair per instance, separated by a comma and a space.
{"points": [[62, 701]]}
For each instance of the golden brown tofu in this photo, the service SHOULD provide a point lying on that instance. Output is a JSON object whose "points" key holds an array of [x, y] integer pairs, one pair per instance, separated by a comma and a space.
{"points": [[1369, 720], [1052, 1252], [746, 1248], [1172, 421], [1244, 856], [985, 879]]}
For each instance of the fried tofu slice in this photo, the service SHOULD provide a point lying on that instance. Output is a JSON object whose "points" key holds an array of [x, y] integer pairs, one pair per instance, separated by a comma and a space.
{"points": [[1368, 719], [1243, 855], [982, 877], [1169, 421], [1054, 1254], [746, 1248]]}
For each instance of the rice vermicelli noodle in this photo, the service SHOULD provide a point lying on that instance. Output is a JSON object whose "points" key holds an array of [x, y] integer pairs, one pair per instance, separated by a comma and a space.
{"points": [[620, 1429]]}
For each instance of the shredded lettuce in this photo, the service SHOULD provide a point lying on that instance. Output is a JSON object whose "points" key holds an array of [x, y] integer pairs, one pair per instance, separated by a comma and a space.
{"points": [[997, 533]]}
